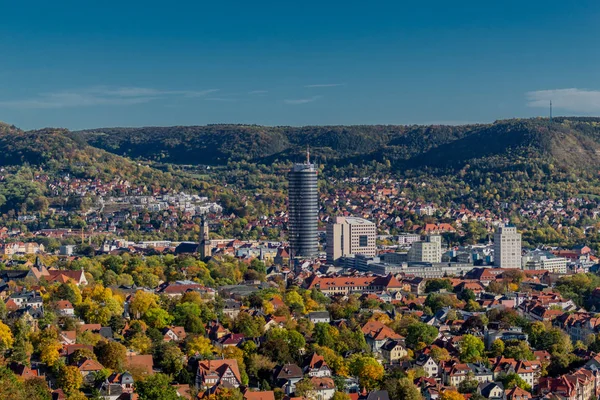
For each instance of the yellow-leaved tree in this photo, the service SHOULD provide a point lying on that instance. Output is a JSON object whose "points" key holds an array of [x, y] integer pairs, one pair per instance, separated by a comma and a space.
{"points": [[6, 337], [70, 379], [199, 345], [451, 395]]}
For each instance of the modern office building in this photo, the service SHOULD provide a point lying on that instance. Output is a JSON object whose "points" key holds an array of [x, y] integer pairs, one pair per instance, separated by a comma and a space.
{"points": [[350, 235], [407, 239], [539, 259], [507, 247], [303, 210], [428, 250]]}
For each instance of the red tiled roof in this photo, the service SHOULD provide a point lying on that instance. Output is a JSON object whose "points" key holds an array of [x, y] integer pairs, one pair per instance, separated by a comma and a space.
{"points": [[379, 331]]}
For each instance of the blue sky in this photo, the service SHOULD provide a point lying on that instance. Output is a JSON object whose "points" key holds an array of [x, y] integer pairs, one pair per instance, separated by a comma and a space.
{"points": [[87, 64]]}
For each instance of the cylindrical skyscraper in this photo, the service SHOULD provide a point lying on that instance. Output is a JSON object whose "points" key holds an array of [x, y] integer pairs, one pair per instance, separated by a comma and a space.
{"points": [[303, 209]]}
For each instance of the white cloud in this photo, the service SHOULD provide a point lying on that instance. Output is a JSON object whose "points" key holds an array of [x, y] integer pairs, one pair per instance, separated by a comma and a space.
{"points": [[302, 101], [576, 100], [100, 95], [258, 92], [322, 85]]}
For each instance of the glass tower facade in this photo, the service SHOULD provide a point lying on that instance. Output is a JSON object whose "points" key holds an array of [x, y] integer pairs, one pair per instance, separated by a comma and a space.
{"points": [[303, 210]]}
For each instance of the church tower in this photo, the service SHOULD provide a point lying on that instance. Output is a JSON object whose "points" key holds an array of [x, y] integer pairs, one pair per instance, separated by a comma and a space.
{"points": [[204, 246]]}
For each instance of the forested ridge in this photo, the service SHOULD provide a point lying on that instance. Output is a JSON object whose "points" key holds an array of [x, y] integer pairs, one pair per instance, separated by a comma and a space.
{"points": [[58, 151], [569, 143]]}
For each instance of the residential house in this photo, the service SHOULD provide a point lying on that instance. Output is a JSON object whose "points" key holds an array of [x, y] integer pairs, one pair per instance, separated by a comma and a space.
{"points": [[264, 395], [174, 334], [491, 390], [215, 373], [377, 333], [232, 308], [323, 388], [316, 366], [578, 325], [140, 362], [319, 316], [64, 307], [428, 364], [287, 376], [393, 351], [517, 393], [88, 368]]}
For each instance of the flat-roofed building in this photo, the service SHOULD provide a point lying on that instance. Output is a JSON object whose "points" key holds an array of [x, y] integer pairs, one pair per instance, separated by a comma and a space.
{"points": [[350, 236], [428, 250], [507, 247]]}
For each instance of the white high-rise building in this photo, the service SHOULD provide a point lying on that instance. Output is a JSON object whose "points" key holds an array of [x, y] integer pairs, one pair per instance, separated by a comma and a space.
{"points": [[429, 250], [350, 235], [507, 247]]}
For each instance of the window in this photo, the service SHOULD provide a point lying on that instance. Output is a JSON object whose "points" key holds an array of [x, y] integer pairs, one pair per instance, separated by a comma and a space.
{"points": [[363, 240]]}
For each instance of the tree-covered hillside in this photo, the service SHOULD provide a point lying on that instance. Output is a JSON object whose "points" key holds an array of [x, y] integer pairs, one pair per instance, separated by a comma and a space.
{"points": [[568, 143], [58, 151], [39, 167]]}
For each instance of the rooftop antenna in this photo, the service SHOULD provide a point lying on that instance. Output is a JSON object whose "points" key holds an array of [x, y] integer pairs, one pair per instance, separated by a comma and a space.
{"points": [[308, 154]]}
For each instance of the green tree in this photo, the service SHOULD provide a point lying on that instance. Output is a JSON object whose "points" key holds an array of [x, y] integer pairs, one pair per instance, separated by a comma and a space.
{"points": [[469, 384], [156, 387], [325, 334], [511, 380], [497, 348], [406, 390], [157, 318], [519, 350], [471, 348], [435, 285], [171, 359], [420, 332]]}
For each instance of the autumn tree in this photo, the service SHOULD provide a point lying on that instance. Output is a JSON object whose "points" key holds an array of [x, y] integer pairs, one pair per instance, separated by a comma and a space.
{"points": [[369, 371], [140, 343], [248, 325], [199, 345], [110, 354], [325, 335], [439, 354], [6, 337], [340, 396], [471, 349], [304, 388], [142, 302], [69, 379], [451, 395]]}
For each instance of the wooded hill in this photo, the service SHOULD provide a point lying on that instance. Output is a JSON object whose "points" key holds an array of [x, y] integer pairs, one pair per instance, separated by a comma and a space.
{"points": [[57, 151], [569, 143]]}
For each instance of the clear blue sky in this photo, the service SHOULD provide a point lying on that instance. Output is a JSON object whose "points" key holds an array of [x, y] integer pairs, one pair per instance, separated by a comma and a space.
{"points": [[85, 64]]}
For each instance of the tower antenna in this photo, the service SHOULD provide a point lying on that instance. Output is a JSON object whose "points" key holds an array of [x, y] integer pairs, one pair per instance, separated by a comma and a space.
{"points": [[550, 111]]}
